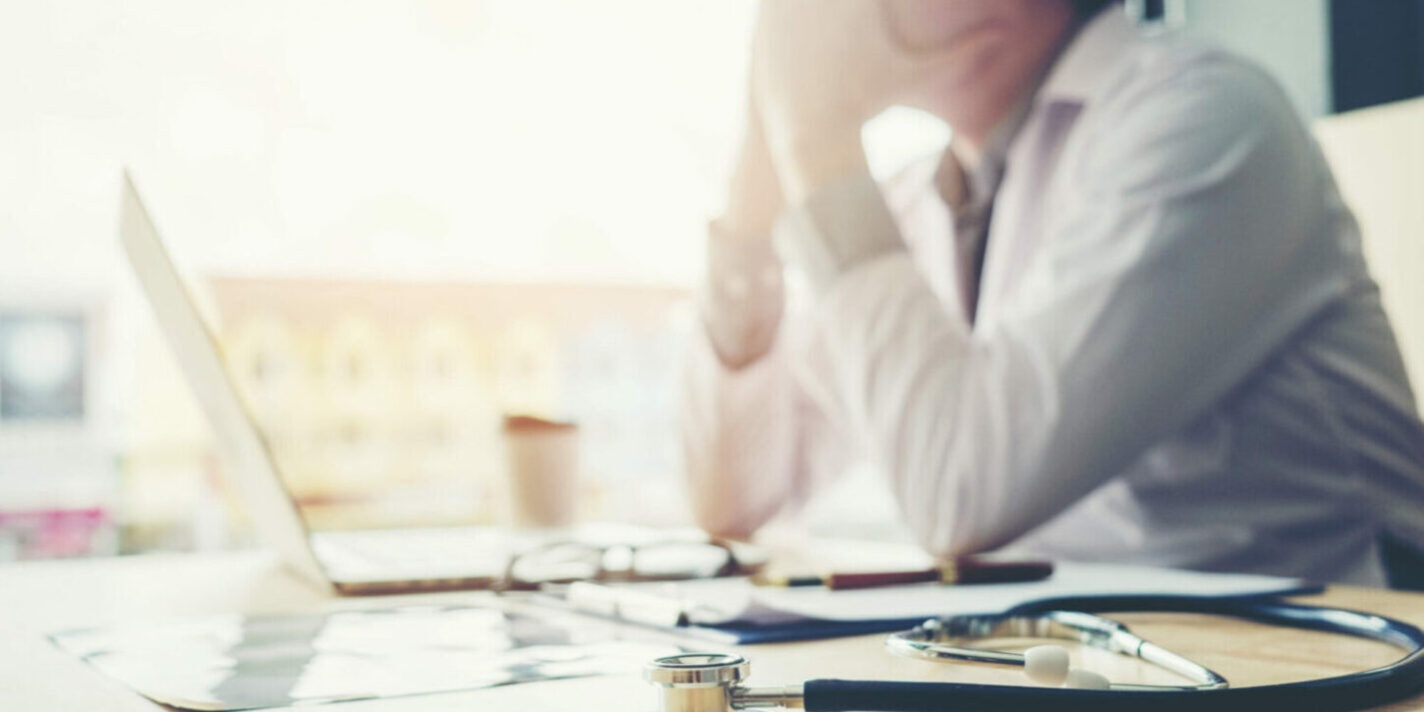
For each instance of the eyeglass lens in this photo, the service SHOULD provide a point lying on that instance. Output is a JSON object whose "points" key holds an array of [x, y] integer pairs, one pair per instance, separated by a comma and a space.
{"points": [[574, 562]]}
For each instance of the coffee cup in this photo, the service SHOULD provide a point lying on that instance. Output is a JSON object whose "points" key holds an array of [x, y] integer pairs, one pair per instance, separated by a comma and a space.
{"points": [[542, 460]]}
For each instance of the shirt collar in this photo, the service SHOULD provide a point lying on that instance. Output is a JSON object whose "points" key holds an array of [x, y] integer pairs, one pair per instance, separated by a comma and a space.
{"points": [[1080, 66], [1089, 57]]}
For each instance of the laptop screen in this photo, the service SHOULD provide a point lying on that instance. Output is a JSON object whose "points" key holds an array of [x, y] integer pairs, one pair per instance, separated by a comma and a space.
{"points": [[251, 471]]}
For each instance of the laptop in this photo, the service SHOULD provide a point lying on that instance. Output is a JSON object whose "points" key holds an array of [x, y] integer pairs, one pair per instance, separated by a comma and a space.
{"points": [[364, 562]]}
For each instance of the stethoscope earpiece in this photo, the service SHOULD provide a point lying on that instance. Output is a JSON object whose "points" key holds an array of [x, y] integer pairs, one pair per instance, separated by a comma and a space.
{"points": [[1085, 680], [1046, 664]]}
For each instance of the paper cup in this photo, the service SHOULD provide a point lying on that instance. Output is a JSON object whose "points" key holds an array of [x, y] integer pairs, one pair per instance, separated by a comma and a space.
{"points": [[541, 458]]}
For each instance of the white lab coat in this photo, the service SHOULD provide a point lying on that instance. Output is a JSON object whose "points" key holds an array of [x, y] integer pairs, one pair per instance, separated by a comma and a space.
{"points": [[1179, 356]]}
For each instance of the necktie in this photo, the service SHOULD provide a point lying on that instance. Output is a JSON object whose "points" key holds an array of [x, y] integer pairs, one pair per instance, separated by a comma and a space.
{"points": [[970, 191], [970, 197]]}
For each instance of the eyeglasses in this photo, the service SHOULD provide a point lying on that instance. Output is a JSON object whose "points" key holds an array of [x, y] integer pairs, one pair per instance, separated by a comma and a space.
{"points": [[567, 562]]}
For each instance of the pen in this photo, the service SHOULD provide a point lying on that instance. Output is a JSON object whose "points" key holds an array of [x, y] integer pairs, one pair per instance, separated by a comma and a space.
{"points": [[966, 570]]}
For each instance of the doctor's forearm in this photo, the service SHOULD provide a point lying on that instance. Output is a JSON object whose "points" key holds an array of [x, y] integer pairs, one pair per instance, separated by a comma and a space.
{"points": [[739, 431], [910, 380], [739, 439], [901, 369]]}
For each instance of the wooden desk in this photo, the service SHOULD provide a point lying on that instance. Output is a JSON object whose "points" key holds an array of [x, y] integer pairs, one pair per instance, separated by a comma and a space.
{"points": [[38, 598]]}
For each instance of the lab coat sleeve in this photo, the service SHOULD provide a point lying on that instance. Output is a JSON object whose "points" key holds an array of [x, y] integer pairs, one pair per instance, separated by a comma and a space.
{"points": [[1194, 252], [743, 420], [739, 440]]}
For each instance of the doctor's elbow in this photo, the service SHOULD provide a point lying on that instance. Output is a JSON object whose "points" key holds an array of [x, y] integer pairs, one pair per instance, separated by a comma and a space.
{"points": [[721, 518], [724, 504], [960, 525], [949, 543]]}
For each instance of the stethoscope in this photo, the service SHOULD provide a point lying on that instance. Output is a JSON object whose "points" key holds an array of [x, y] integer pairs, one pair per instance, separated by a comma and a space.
{"points": [[712, 682]]}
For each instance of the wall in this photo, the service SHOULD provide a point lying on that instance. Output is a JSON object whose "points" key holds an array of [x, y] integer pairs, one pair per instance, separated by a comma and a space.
{"points": [[1290, 38]]}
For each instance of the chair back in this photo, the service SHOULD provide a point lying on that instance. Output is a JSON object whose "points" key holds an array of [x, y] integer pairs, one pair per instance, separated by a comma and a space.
{"points": [[1377, 155]]}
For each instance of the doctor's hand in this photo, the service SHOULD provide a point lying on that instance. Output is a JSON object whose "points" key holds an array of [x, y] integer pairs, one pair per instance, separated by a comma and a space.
{"points": [[820, 70]]}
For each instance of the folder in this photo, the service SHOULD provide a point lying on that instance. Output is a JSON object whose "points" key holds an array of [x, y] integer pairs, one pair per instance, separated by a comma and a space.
{"points": [[737, 612]]}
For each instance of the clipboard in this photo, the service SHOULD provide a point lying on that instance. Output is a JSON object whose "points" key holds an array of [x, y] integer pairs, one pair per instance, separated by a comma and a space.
{"points": [[737, 612]]}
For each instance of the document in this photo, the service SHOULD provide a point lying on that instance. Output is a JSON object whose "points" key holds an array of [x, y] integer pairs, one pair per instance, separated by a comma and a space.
{"points": [[715, 602], [736, 610]]}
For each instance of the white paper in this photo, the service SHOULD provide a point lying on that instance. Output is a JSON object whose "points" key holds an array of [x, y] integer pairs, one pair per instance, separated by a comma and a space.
{"points": [[711, 602]]}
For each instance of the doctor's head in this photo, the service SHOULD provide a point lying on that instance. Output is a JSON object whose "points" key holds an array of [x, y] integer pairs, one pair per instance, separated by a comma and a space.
{"points": [[989, 51]]}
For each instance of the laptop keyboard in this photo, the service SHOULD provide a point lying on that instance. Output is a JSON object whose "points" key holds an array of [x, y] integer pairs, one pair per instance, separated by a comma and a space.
{"points": [[461, 552], [431, 552]]}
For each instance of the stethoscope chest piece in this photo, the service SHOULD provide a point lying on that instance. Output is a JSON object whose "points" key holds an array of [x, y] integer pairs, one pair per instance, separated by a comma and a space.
{"points": [[696, 682]]}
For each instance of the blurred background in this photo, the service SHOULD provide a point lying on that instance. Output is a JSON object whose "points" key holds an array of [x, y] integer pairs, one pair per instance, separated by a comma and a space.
{"points": [[409, 218]]}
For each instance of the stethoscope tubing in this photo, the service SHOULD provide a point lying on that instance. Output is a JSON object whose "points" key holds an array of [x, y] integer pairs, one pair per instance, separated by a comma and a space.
{"points": [[1390, 683], [1340, 694]]}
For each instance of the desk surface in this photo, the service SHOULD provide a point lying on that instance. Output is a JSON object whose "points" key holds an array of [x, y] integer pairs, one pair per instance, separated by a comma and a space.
{"points": [[38, 598]]}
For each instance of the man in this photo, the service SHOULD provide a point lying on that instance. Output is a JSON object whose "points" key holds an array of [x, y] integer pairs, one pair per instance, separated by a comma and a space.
{"points": [[1124, 317]]}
